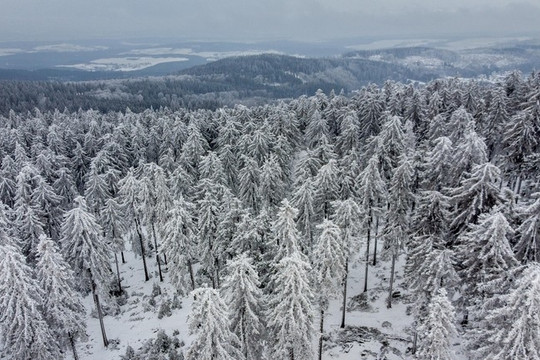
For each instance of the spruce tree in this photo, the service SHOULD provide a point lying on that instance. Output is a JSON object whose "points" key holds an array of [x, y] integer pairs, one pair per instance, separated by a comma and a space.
{"points": [[24, 332], [62, 306], [88, 255], [290, 313], [241, 290], [209, 322], [329, 261], [437, 330]]}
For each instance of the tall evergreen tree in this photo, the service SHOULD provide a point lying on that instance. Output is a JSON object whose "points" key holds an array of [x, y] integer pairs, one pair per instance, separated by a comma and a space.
{"points": [[241, 290], [209, 321], [62, 306], [438, 329], [290, 314], [24, 332], [329, 261], [88, 255]]}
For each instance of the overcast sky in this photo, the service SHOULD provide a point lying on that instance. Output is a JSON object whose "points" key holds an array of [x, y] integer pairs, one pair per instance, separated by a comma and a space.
{"points": [[263, 19]]}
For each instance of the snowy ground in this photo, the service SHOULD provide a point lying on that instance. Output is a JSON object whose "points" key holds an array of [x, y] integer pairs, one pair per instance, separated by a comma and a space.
{"points": [[134, 325]]}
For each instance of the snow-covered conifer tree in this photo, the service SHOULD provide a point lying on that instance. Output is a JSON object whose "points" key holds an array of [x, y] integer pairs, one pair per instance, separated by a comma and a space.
{"points": [[62, 306], [437, 330], [290, 312], [84, 249], [347, 215], [179, 244], [371, 194], [24, 332], [513, 330], [209, 322], [241, 290], [329, 258]]}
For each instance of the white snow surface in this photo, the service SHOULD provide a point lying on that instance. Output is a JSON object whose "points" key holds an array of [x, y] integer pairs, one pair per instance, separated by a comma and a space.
{"points": [[124, 63]]}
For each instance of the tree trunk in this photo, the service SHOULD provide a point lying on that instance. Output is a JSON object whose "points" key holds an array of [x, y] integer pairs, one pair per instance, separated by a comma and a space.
{"points": [[375, 242], [367, 253], [415, 342], [191, 277], [73, 349], [389, 304], [345, 276], [123, 258], [321, 334], [99, 312], [157, 252], [118, 273], [143, 253]]}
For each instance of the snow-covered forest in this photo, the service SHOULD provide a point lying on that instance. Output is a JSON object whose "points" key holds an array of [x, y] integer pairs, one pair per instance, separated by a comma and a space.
{"points": [[278, 231]]}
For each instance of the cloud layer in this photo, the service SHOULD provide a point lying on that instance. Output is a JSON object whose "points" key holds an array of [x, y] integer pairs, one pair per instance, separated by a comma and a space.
{"points": [[263, 19]]}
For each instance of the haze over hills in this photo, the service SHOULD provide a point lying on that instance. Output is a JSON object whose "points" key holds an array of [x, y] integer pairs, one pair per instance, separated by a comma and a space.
{"points": [[106, 59]]}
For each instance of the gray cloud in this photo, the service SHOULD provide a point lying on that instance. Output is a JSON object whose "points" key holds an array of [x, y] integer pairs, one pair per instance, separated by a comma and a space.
{"points": [[263, 19]]}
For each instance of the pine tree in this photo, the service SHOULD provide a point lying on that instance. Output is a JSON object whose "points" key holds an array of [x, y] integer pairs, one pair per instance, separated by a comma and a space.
{"points": [[179, 245], [249, 178], [129, 200], [395, 232], [527, 247], [285, 234], [241, 290], [438, 173], [114, 225], [513, 330], [290, 314], [24, 332], [209, 321], [63, 309], [326, 184], [347, 215], [303, 199], [478, 193], [485, 253], [438, 329], [371, 194], [86, 252], [272, 182], [329, 258]]}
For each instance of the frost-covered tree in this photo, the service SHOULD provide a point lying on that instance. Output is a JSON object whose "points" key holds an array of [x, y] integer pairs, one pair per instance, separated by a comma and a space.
{"points": [[326, 184], [179, 244], [513, 330], [209, 244], [400, 199], [24, 332], [527, 247], [477, 194], [303, 200], [62, 306], [371, 194], [86, 252], [347, 216], [290, 310], [114, 223], [249, 178], [272, 182], [285, 234], [241, 290], [437, 330], [439, 163], [486, 253], [129, 188], [329, 257], [209, 322], [96, 191]]}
